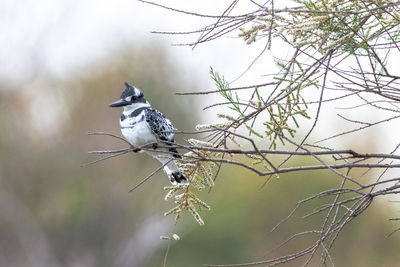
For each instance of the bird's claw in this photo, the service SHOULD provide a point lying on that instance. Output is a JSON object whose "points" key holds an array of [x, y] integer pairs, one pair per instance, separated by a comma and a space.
{"points": [[155, 145], [135, 149]]}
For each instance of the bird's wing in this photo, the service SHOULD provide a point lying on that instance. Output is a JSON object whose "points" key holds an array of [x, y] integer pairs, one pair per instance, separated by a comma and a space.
{"points": [[160, 125]]}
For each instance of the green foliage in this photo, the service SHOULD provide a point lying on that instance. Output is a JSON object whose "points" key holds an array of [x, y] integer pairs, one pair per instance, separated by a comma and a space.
{"points": [[185, 200], [200, 175], [343, 26], [327, 27], [223, 87], [283, 110]]}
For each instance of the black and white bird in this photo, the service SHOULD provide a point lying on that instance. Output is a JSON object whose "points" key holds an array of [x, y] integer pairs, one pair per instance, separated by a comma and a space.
{"points": [[142, 125]]}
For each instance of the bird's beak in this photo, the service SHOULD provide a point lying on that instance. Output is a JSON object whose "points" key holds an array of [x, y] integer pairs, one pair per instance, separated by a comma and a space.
{"points": [[119, 103]]}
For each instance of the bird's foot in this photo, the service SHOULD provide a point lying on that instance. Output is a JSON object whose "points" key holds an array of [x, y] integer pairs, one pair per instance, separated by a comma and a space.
{"points": [[135, 149], [155, 145]]}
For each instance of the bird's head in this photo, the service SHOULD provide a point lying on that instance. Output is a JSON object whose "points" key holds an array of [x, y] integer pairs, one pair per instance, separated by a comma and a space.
{"points": [[130, 96]]}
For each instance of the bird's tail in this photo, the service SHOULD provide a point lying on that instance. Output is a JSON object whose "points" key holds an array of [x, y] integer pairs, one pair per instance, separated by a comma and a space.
{"points": [[175, 175], [177, 178]]}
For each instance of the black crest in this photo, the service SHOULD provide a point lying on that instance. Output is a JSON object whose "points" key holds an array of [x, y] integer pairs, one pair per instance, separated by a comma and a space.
{"points": [[129, 91]]}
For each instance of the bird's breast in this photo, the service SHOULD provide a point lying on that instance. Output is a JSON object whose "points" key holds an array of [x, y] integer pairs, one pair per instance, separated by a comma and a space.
{"points": [[136, 131]]}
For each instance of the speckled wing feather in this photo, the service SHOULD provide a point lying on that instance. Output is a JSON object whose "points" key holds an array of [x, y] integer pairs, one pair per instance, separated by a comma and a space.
{"points": [[160, 125]]}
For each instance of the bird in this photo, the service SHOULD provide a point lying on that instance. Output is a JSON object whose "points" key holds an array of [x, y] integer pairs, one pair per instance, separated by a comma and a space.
{"points": [[142, 125]]}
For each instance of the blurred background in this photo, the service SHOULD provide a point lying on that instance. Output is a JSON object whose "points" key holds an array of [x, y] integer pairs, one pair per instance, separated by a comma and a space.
{"points": [[61, 64]]}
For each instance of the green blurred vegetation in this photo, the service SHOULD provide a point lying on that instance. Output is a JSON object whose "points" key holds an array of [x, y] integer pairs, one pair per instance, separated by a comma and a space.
{"points": [[55, 213]]}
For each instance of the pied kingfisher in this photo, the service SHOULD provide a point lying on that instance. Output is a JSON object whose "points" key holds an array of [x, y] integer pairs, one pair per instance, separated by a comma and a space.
{"points": [[141, 125]]}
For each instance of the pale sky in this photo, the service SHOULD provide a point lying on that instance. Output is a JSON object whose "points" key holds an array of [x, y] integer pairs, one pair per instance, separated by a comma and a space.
{"points": [[63, 35]]}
